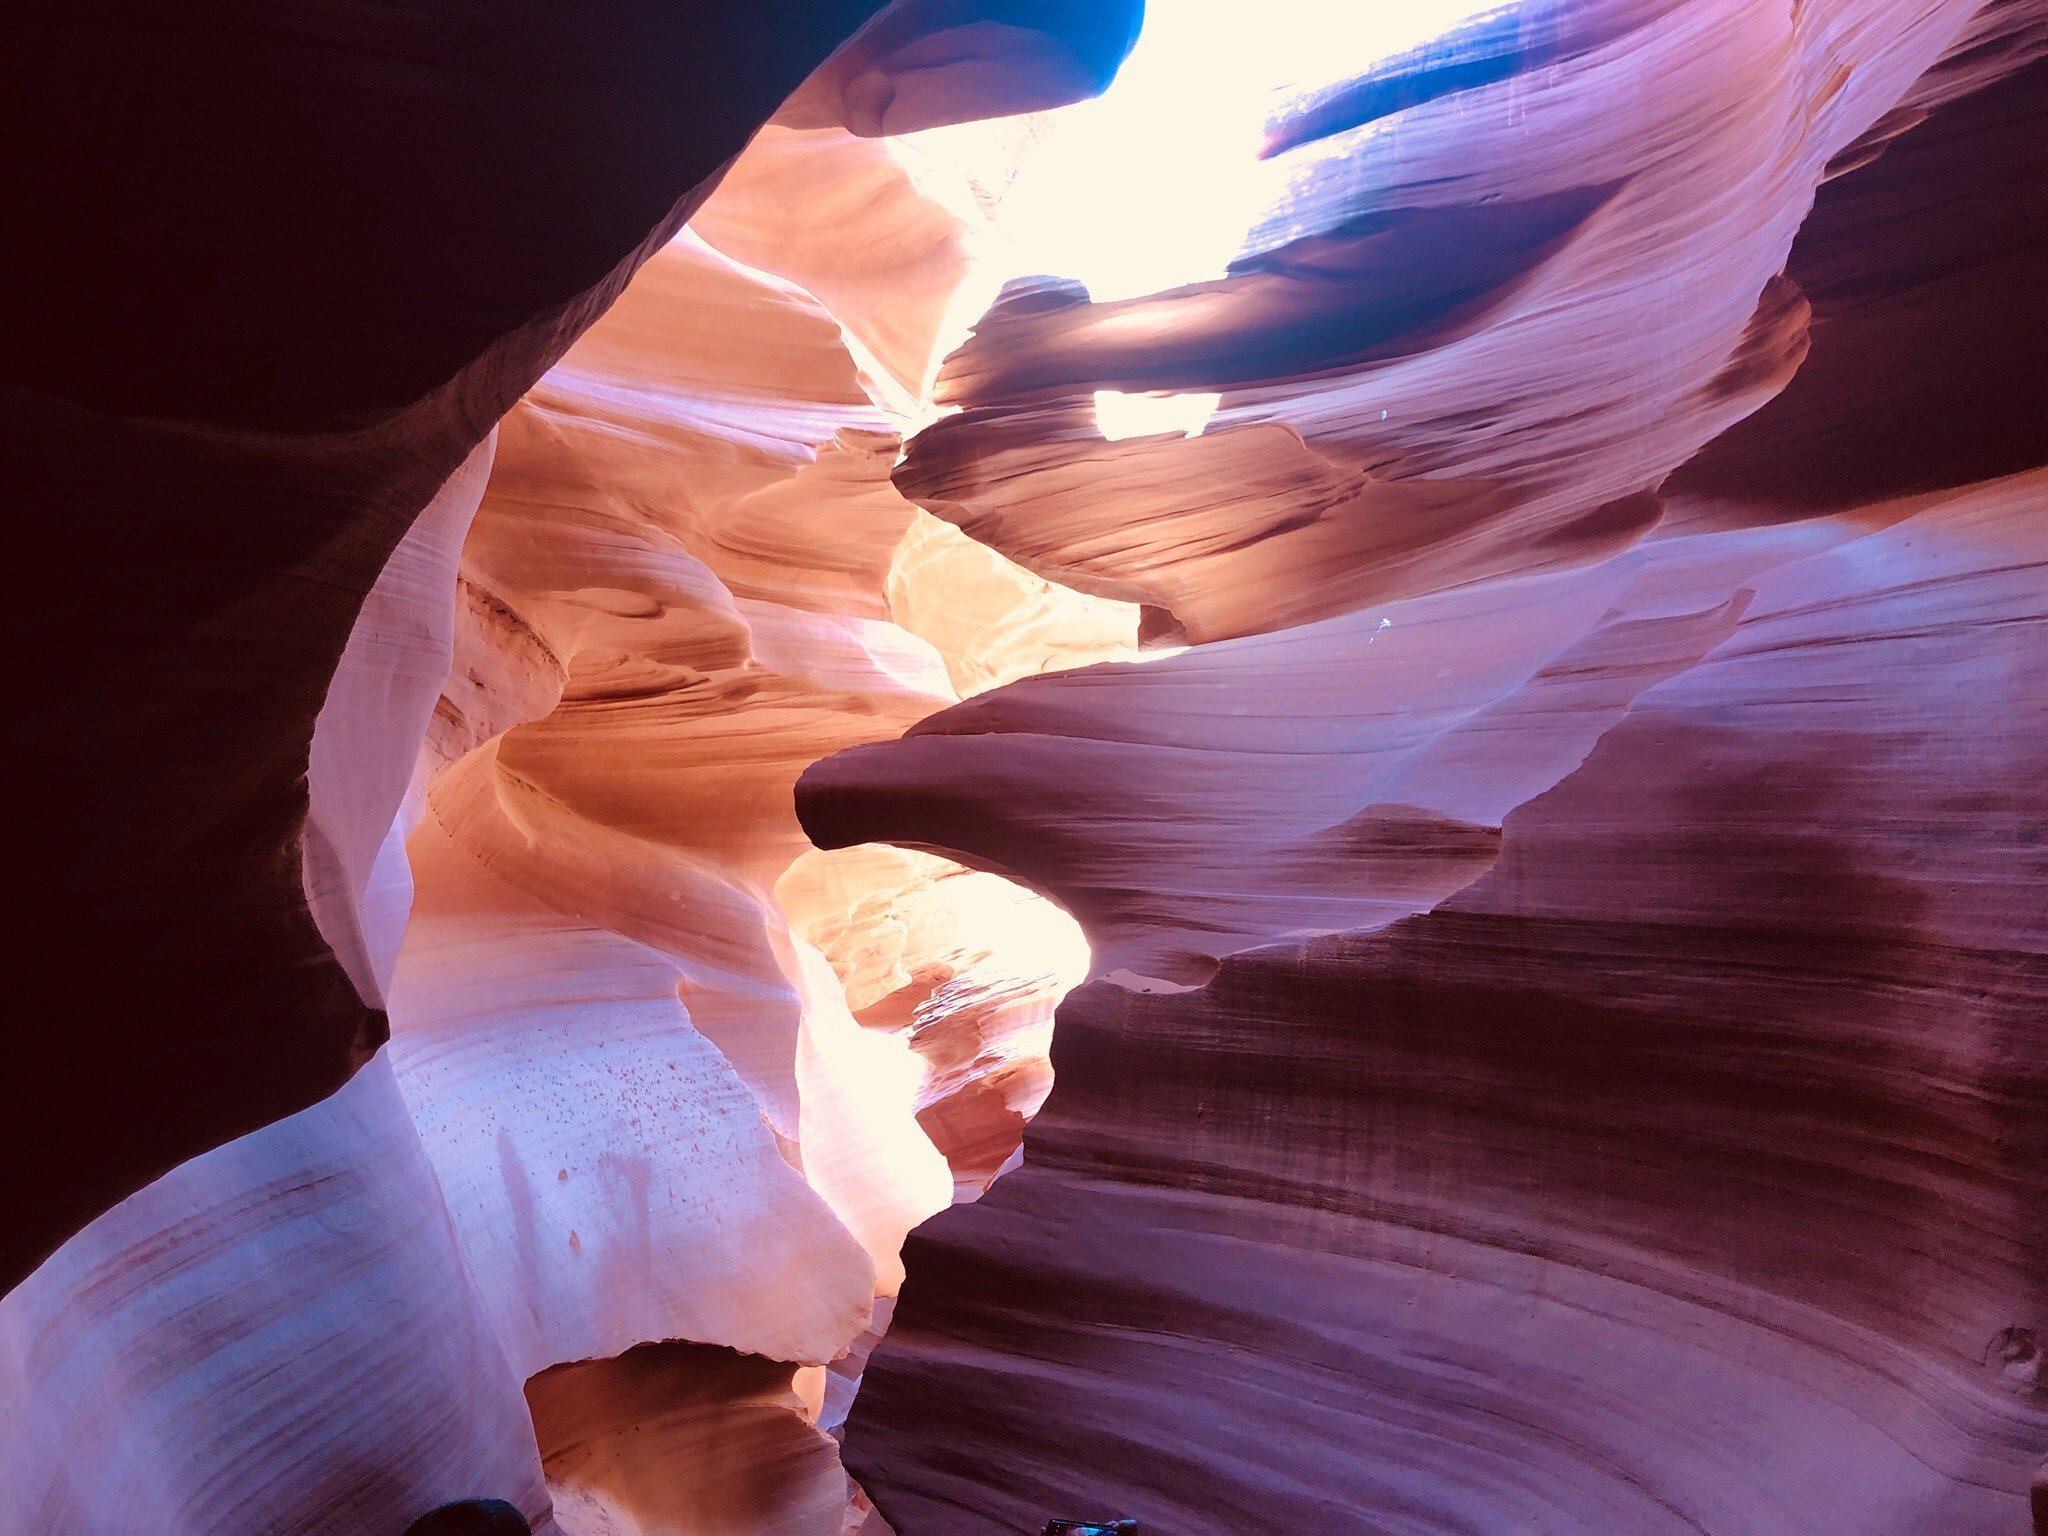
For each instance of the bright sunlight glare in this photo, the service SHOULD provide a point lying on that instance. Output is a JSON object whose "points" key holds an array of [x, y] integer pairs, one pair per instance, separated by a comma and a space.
{"points": [[1156, 183], [1118, 415]]}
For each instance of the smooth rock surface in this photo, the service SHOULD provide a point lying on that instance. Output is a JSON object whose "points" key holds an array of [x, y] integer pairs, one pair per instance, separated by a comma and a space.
{"points": [[1571, 1058], [596, 670]]}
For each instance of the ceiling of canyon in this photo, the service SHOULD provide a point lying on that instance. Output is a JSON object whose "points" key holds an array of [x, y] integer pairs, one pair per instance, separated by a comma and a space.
{"points": [[847, 768]]}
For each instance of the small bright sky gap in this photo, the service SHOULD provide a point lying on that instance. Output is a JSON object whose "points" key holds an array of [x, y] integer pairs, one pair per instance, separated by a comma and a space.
{"points": [[1157, 182]]}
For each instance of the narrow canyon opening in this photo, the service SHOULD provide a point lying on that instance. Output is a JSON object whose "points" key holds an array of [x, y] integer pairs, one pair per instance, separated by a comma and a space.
{"points": [[720, 1069], [688, 579], [625, 602]]}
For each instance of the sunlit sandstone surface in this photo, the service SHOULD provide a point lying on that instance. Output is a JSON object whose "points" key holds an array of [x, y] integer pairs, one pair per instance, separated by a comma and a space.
{"points": [[1463, 594]]}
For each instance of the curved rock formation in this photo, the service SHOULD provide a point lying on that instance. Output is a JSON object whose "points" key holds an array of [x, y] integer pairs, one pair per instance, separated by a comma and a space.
{"points": [[1681, 1172], [1566, 1043], [373, 236], [226, 376], [625, 1015]]}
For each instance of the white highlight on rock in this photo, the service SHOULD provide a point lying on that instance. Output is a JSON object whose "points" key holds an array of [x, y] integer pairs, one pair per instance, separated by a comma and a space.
{"points": [[1155, 183], [1118, 415]]}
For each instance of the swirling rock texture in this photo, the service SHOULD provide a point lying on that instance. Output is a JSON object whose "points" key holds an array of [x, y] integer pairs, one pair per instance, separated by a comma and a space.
{"points": [[683, 1076], [1566, 1049], [1544, 764]]}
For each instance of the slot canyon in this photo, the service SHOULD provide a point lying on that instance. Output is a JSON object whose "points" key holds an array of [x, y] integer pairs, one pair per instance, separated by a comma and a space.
{"points": [[899, 769]]}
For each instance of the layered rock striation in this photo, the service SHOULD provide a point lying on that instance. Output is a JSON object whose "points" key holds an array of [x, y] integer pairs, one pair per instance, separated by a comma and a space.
{"points": [[1565, 1049]]}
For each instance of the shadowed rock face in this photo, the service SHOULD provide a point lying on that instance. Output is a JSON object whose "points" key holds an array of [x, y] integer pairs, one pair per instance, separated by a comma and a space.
{"points": [[291, 270], [1677, 1174], [471, 1517], [1562, 1042], [287, 270], [289, 267]]}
